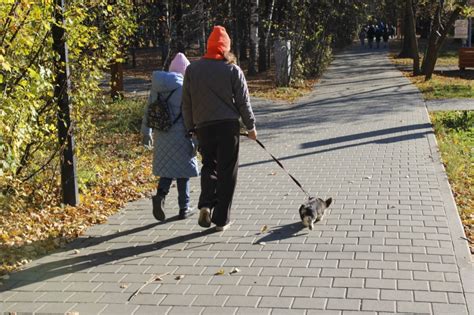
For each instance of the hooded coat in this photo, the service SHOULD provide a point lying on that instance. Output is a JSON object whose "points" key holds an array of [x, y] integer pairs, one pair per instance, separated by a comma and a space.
{"points": [[174, 155], [215, 90]]}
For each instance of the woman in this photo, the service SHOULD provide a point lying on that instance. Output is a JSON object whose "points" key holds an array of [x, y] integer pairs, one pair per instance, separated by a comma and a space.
{"points": [[174, 155], [215, 96]]}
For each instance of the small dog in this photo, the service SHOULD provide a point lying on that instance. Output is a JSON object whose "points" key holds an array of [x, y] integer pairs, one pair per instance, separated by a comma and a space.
{"points": [[313, 210]]}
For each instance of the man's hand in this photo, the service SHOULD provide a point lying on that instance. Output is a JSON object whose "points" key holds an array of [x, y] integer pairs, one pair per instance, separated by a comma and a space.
{"points": [[252, 134]]}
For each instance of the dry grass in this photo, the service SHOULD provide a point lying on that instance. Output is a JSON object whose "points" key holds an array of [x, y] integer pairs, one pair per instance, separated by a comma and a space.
{"points": [[263, 85], [444, 83], [260, 85], [448, 56], [455, 134]]}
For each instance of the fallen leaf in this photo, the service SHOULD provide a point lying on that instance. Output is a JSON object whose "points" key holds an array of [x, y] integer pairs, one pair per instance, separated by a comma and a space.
{"points": [[220, 272], [264, 229], [178, 277], [123, 286], [367, 177], [76, 251], [272, 174], [158, 279], [262, 243]]}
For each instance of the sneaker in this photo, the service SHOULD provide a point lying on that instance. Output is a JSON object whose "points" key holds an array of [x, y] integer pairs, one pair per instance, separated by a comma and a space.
{"points": [[158, 207], [204, 217], [221, 228], [185, 213]]}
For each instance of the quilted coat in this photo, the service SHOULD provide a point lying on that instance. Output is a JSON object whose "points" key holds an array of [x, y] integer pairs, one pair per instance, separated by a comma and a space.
{"points": [[173, 154]]}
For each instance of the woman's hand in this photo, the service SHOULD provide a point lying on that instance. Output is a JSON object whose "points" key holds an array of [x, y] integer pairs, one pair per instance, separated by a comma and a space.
{"points": [[147, 141], [252, 134]]}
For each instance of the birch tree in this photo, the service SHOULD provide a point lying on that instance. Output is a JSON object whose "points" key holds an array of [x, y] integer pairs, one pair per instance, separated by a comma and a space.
{"points": [[253, 57]]}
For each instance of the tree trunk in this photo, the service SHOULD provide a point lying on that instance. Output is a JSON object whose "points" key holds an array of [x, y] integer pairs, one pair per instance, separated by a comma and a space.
{"points": [[437, 39], [252, 69], [243, 35], [69, 186], [235, 29], [202, 31], [408, 51], [165, 45], [413, 41], [262, 54], [180, 43], [263, 62]]}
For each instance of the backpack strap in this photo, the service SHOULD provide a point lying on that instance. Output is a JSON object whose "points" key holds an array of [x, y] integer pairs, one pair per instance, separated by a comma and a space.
{"points": [[169, 95], [177, 117], [166, 102]]}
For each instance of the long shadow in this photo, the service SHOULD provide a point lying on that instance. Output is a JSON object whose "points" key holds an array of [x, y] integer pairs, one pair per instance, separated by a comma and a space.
{"points": [[70, 265], [358, 81], [313, 114], [84, 242], [92, 241], [467, 74], [412, 136], [334, 100], [282, 232], [363, 135]]}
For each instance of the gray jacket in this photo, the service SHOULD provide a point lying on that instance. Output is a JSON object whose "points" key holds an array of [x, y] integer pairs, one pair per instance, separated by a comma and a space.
{"points": [[214, 90]]}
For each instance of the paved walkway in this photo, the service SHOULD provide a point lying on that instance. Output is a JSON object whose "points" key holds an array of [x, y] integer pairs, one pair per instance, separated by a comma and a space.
{"points": [[450, 104], [389, 244]]}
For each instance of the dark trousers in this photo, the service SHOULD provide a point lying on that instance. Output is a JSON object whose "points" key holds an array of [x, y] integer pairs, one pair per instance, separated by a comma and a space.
{"points": [[219, 147]]}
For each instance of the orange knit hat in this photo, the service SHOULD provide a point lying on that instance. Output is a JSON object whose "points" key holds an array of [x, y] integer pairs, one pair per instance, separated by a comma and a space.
{"points": [[218, 43]]}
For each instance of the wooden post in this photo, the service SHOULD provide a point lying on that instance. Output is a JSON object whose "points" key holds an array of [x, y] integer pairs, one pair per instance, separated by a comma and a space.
{"points": [[61, 94], [116, 79]]}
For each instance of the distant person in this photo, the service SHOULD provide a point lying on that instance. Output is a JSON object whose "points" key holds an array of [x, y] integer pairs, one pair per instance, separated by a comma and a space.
{"points": [[385, 35], [392, 31], [215, 96], [378, 35], [362, 36], [174, 155], [371, 35]]}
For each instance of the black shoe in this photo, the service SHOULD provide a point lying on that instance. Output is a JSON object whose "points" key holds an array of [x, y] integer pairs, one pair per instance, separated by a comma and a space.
{"points": [[185, 213], [158, 207]]}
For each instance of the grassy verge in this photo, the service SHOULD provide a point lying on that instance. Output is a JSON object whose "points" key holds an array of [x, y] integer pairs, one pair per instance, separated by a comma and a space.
{"points": [[446, 83], [113, 168], [448, 56], [455, 134]]}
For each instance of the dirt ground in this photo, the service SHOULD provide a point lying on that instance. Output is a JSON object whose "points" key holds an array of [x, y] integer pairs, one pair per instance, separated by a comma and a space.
{"points": [[148, 60]]}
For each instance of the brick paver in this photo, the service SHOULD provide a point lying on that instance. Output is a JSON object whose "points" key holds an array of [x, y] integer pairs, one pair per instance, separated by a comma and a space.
{"points": [[390, 242]]}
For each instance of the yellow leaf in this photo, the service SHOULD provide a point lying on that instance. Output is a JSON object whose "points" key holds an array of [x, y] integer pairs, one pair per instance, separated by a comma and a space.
{"points": [[220, 272]]}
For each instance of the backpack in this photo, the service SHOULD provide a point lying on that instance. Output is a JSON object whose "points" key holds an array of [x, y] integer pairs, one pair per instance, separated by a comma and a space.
{"points": [[159, 117]]}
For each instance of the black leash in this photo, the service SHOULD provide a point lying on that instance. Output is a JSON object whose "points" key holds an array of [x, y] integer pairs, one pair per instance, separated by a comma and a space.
{"points": [[281, 165]]}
